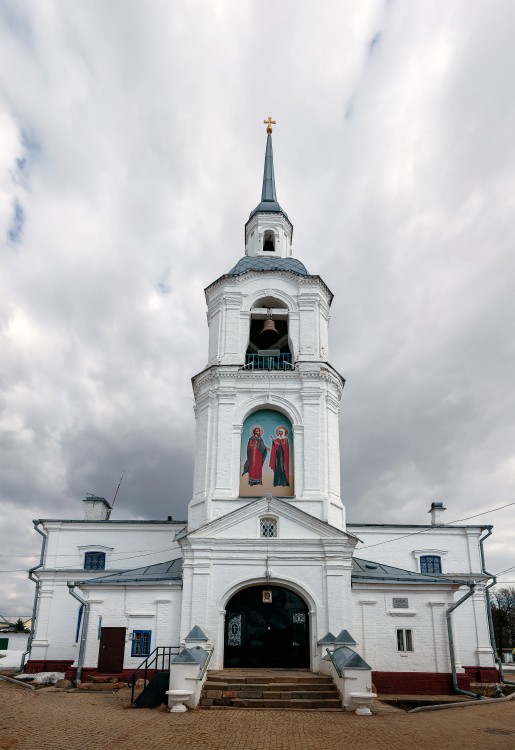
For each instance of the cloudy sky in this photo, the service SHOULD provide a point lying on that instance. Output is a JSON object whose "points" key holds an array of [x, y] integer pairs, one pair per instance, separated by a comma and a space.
{"points": [[131, 155]]}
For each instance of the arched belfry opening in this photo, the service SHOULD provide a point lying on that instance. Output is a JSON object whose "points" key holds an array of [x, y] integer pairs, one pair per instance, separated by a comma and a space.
{"points": [[266, 626], [268, 241], [269, 342]]}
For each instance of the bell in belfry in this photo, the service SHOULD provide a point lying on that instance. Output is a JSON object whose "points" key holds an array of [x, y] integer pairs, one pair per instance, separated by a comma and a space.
{"points": [[269, 333]]}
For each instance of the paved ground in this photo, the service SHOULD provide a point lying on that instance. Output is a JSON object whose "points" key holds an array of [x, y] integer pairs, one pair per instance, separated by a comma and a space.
{"points": [[47, 720]]}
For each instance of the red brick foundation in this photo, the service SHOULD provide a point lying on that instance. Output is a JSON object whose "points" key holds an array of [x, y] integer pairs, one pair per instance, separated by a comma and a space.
{"points": [[482, 674], [417, 683], [48, 665]]}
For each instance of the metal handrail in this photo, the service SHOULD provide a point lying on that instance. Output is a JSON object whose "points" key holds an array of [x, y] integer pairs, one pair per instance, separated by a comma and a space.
{"points": [[277, 361], [206, 664], [163, 652], [338, 670]]}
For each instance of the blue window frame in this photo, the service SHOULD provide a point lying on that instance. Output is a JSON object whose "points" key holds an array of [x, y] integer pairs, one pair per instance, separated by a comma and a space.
{"points": [[430, 564], [141, 642], [95, 561]]}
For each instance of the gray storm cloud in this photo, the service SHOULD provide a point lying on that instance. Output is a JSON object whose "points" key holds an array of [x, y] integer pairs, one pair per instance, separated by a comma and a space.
{"points": [[132, 150]]}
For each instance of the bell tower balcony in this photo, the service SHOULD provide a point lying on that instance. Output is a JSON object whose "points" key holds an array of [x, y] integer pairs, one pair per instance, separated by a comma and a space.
{"points": [[268, 359]]}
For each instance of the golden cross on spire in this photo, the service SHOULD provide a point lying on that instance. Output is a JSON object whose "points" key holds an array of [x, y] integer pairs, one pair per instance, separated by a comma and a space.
{"points": [[269, 124]]}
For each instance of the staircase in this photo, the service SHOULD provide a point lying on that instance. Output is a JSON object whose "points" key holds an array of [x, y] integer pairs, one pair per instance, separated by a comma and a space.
{"points": [[269, 688]]}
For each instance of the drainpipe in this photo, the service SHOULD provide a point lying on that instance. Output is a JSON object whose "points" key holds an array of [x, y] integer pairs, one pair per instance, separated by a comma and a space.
{"points": [[489, 607], [448, 613], [83, 630], [36, 594]]}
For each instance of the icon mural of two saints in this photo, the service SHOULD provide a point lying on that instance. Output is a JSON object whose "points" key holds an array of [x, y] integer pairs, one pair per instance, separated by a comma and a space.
{"points": [[266, 455]]}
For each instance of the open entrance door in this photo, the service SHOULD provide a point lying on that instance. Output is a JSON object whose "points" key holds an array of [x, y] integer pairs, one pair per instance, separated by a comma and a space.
{"points": [[266, 626], [111, 650]]}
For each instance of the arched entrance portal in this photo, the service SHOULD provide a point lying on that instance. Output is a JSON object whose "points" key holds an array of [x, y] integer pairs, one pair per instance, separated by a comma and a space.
{"points": [[266, 626]]}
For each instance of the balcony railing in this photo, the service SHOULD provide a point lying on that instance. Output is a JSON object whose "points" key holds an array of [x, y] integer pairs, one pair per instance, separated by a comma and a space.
{"points": [[268, 361]]}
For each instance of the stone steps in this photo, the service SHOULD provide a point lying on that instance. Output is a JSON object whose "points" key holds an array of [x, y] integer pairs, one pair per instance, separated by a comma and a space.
{"points": [[255, 689]]}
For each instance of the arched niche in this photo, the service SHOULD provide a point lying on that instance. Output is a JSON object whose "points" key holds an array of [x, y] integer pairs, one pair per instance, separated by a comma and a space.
{"points": [[266, 455]]}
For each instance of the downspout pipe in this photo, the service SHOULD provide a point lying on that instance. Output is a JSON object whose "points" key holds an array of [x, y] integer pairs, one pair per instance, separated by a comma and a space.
{"points": [[36, 593], [83, 630], [489, 607], [448, 614]]}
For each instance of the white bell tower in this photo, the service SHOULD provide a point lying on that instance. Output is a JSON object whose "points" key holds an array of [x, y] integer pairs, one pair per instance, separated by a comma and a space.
{"points": [[267, 402]]}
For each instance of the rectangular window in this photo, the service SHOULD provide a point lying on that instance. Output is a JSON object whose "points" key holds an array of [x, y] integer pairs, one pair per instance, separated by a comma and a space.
{"points": [[95, 561], [431, 564], [141, 642], [404, 639], [268, 527]]}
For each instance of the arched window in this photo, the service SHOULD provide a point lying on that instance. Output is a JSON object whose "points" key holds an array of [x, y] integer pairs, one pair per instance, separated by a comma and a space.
{"points": [[95, 561], [268, 527], [430, 564], [268, 347], [268, 241]]}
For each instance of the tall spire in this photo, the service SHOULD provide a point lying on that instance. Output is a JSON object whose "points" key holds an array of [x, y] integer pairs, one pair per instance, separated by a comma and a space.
{"points": [[268, 193], [269, 202]]}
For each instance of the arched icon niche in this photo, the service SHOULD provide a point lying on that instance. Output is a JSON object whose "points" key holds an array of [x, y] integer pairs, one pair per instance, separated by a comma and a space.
{"points": [[267, 463]]}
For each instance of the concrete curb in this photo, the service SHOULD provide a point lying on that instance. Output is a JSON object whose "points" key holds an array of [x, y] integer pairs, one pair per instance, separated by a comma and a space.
{"points": [[16, 682], [478, 702]]}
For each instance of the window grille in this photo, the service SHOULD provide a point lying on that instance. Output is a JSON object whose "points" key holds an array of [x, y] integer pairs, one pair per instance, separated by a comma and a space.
{"points": [[95, 561], [400, 603], [430, 564], [404, 639], [141, 642], [268, 527]]}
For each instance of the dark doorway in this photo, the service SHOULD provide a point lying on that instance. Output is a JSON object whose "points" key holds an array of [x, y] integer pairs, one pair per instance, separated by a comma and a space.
{"points": [[111, 650], [266, 626]]}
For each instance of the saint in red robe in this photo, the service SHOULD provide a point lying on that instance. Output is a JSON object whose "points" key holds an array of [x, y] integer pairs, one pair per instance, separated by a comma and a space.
{"points": [[256, 454]]}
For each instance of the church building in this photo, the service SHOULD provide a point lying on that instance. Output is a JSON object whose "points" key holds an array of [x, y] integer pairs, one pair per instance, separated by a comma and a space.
{"points": [[266, 572]]}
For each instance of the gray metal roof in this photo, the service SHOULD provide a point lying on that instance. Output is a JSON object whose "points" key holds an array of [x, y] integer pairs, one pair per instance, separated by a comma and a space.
{"points": [[261, 263], [328, 638], [374, 572], [269, 202], [344, 638], [195, 655], [196, 634], [345, 658], [160, 572]]}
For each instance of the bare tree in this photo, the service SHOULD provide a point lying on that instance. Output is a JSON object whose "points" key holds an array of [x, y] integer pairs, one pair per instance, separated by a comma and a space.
{"points": [[503, 616]]}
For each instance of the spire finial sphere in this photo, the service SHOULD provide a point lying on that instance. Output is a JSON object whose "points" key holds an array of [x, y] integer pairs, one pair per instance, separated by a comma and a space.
{"points": [[269, 124]]}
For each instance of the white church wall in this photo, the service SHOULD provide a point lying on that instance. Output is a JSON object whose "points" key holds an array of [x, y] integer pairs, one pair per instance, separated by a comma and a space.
{"points": [[376, 622], [403, 546], [155, 608], [460, 556], [126, 545]]}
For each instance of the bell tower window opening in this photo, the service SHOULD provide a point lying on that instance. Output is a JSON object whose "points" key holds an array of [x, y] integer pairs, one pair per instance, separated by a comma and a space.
{"points": [[268, 346], [268, 241]]}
